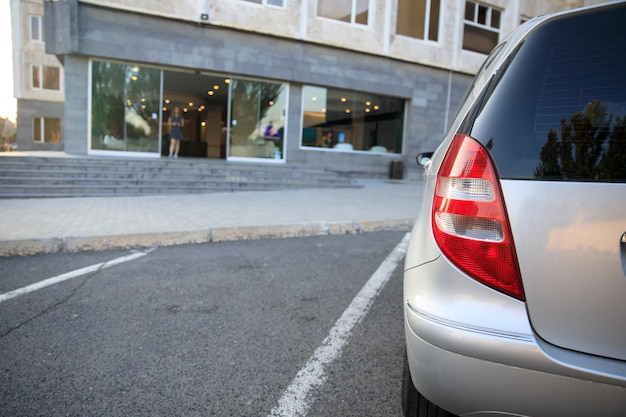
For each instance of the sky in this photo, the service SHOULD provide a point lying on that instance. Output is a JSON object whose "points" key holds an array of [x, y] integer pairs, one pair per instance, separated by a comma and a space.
{"points": [[7, 100]]}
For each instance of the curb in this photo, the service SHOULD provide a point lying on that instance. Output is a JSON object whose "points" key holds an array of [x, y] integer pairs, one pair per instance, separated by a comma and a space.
{"points": [[35, 246]]}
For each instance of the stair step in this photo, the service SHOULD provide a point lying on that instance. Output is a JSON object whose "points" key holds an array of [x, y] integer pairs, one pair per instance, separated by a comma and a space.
{"points": [[43, 177]]}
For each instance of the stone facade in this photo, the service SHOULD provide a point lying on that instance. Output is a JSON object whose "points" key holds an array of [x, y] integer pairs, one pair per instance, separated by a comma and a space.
{"points": [[288, 44]]}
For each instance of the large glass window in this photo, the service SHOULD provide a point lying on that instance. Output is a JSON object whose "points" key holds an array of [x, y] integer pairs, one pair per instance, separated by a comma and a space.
{"points": [[47, 129], [350, 11], [347, 120], [482, 28], [418, 19], [125, 107], [257, 122]]}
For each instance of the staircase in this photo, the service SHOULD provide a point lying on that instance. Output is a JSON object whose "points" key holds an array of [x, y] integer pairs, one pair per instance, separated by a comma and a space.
{"points": [[53, 176]]}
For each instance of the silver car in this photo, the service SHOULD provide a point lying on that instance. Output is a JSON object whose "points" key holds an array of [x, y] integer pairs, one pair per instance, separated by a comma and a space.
{"points": [[515, 275]]}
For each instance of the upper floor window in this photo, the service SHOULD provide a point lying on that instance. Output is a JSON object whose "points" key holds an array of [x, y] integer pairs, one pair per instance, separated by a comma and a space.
{"points": [[481, 32], [419, 19], [350, 11], [48, 78], [36, 28], [278, 3]]}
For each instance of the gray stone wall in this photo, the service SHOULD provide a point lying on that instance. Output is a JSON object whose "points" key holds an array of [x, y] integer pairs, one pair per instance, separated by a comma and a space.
{"points": [[91, 31], [76, 126], [26, 111]]}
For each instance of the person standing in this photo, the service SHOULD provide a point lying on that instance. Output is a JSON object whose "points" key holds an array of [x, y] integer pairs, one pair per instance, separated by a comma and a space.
{"points": [[176, 123], [328, 141]]}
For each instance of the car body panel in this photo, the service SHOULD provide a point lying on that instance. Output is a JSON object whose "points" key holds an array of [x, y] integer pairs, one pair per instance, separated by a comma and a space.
{"points": [[571, 263], [469, 386]]}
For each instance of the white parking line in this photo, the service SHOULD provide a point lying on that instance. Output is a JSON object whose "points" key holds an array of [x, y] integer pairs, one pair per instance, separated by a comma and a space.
{"points": [[294, 401], [69, 275]]}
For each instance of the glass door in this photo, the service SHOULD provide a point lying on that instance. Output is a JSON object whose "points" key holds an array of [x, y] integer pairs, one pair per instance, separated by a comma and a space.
{"points": [[257, 119]]}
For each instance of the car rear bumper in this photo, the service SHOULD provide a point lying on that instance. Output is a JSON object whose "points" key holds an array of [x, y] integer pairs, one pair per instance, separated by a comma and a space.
{"points": [[472, 351]]}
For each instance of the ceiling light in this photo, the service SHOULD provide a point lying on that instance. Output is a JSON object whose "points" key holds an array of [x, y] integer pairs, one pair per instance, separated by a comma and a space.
{"points": [[343, 99], [210, 92], [216, 87], [227, 81]]}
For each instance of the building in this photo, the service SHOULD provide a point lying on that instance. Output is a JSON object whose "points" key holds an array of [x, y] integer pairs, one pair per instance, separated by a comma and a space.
{"points": [[345, 85]]}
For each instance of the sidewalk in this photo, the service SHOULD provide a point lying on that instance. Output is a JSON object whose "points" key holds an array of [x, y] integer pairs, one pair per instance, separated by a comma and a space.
{"points": [[35, 226]]}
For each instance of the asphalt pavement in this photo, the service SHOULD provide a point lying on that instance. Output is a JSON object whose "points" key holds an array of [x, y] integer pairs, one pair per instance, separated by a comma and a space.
{"points": [[37, 226]]}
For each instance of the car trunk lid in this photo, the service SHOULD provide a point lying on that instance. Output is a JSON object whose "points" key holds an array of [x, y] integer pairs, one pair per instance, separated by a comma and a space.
{"points": [[571, 251]]}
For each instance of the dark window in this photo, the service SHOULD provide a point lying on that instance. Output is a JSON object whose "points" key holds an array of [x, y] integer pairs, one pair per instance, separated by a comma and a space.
{"points": [[558, 111], [481, 30]]}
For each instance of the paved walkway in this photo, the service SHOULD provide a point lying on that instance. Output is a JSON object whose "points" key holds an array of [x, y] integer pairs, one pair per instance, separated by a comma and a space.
{"points": [[35, 226]]}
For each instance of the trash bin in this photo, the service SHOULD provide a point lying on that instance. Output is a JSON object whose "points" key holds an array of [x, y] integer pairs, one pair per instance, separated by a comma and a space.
{"points": [[396, 170]]}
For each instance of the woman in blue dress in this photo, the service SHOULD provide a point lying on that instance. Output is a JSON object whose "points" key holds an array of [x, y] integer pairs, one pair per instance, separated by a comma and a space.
{"points": [[176, 123]]}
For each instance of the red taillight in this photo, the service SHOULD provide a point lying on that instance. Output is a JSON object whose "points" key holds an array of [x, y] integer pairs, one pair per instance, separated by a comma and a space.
{"points": [[469, 219]]}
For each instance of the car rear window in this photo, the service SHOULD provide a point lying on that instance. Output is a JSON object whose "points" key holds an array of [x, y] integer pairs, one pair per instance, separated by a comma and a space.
{"points": [[557, 109]]}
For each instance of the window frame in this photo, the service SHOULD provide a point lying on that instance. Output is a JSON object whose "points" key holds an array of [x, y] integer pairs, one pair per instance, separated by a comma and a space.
{"points": [[267, 3], [353, 13], [428, 18], [38, 24], [40, 121], [487, 26], [39, 69]]}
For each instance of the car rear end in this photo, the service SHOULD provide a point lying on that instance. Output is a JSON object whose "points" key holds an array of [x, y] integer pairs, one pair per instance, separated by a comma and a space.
{"points": [[515, 277]]}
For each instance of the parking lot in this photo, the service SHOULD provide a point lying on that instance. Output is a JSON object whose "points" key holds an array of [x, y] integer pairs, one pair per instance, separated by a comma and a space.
{"points": [[302, 326]]}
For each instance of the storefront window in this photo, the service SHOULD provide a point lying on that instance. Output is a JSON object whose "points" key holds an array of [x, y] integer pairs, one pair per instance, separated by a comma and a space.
{"points": [[125, 107], [257, 121], [353, 121]]}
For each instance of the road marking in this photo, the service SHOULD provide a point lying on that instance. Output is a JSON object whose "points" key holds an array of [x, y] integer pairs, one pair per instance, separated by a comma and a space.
{"points": [[69, 275], [294, 401]]}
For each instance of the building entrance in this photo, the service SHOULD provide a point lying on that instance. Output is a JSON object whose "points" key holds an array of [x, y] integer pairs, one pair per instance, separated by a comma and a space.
{"points": [[224, 117], [203, 101]]}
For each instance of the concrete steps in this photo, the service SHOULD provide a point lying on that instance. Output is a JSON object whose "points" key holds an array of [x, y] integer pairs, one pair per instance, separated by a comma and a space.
{"points": [[41, 177]]}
